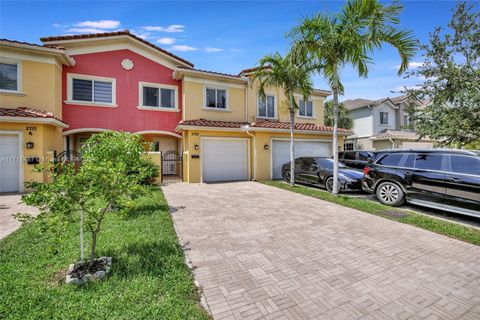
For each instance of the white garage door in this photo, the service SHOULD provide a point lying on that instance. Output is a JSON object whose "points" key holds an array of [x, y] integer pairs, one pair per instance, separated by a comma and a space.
{"points": [[281, 153], [224, 160], [9, 163]]}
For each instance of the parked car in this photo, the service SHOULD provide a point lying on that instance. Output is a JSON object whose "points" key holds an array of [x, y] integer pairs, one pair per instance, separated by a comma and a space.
{"points": [[442, 179], [356, 158], [319, 171]]}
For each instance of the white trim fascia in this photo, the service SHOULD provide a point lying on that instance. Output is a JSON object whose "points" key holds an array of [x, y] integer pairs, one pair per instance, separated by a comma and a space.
{"points": [[159, 86], [249, 175], [81, 130], [119, 46], [71, 76], [51, 121], [214, 82], [216, 88], [18, 63], [158, 132], [177, 74], [20, 155], [32, 53]]}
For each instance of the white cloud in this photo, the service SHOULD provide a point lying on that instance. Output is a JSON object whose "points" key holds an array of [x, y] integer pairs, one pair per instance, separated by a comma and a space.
{"points": [[411, 65], [166, 40], [100, 24], [87, 30], [173, 28], [183, 48], [212, 49]]}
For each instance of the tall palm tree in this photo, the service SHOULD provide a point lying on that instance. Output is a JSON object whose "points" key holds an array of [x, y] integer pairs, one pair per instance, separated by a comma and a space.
{"points": [[294, 78], [350, 37]]}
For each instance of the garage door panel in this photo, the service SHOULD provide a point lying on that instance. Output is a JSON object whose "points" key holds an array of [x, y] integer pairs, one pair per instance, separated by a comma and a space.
{"points": [[9, 163], [224, 160], [281, 153]]}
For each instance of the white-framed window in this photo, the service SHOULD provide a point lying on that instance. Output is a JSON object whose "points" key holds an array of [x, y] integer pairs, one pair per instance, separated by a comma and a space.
{"points": [[305, 109], [155, 96], [384, 118], [216, 98], [10, 75], [266, 106], [348, 145], [90, 90], [406, 120]]}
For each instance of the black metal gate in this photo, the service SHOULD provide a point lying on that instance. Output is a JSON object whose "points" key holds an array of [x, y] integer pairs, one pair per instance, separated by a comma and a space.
{"points": [[172, 166]]}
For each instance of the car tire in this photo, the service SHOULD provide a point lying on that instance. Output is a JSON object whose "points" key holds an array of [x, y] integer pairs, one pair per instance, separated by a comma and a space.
{"points": [[390, 194], [329, 184], [286, 176]]}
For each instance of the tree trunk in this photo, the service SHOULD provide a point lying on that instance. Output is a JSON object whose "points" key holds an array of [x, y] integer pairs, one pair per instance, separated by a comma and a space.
{"points": [[93, 248], [335, 140], [292, 141]]}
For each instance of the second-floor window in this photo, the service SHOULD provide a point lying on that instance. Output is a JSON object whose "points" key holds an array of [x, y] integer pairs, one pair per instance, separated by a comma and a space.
{"points": [[157, 96], [9, 76], [406, 120], [384, 118], [216, 98], [91, 90], [266, 106], [305, 109]]}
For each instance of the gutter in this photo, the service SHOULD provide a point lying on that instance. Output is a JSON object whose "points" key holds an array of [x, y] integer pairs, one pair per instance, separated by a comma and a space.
{"points": [[254, 154], [51, 121]]}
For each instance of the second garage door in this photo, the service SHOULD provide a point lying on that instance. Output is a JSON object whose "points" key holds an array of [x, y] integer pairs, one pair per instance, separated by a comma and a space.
{"points": [[224, 159], [281, 153]]}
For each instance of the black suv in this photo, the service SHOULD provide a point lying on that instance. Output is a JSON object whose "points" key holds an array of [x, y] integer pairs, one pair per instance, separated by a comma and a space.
{"points": [[355, 159], [442, 179]]}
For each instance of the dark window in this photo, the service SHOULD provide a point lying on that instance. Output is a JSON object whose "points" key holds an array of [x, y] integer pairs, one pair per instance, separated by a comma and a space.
{"points": [[92, 91], [156, 146], [409, 161], [158, 97], [325, 164], [349, 156], [8, 76], [102, 91], [383, 117], [364, 155], [82, 90], [429, 161], [167, 98], [150, 97], [348, 146], [266, 106], [216, 98], [305, 109], [390, 160], [465, 164]]}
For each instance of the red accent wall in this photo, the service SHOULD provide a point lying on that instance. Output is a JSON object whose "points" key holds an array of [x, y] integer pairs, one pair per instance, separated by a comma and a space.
{"points": [[126, 116]]}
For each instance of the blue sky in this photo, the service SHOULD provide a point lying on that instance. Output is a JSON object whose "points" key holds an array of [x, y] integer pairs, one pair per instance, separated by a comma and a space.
{"points": [[223, 36]]}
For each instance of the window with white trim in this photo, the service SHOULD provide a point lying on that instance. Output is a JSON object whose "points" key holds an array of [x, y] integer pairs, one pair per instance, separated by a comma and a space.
{"points": [[348, 146], [91, 89], [266, 106], [158, 96], [216, 98], [305, 109], [384, 118], [406, 120], [9, 76]]}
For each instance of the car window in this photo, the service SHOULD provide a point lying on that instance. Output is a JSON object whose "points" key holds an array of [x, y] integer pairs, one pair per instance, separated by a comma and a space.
{"points": [[465, 164], [340, 155], [429, 161], [349, 156], [390, 160], [409, 161], [364, 155]]}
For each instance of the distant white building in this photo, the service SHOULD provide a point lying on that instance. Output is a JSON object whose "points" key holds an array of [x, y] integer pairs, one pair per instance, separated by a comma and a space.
{"points": [[383, 124]]}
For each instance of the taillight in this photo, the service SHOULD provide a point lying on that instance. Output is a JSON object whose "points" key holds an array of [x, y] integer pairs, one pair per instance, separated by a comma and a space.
{"points": [[366, 170]]}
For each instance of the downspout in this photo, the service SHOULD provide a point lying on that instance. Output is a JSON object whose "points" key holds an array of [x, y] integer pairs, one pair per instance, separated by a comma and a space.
{"points": [[254, 154], [393, 142], [246, 102]]}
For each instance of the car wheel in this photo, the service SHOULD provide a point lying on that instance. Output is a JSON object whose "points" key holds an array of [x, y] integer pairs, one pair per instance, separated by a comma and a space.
{"points": [[329, 184], [390, 194], [286, 176]]}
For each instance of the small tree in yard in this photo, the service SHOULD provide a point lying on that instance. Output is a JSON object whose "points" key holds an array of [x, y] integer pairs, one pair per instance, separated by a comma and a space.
{"points": [[108, 180], [452, 82]]}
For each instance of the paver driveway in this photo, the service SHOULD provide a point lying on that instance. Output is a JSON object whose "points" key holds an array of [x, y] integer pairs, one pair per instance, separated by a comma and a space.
{"points": [[10, 204], [263, 252]]}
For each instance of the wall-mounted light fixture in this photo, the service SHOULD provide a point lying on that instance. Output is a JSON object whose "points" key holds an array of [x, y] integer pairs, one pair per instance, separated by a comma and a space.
{"points": [[266, 147], [197, 147], [30, 145]]}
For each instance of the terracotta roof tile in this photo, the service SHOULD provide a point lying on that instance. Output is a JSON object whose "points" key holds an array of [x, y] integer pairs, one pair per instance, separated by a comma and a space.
{"points": [[112, 34], [211, 72], [260, 124], [32, 44], [27, 113]]}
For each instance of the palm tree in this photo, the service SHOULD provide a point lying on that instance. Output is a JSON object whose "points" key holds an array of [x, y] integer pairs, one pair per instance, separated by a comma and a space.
{"points": [[294, 78], [349, 38]]}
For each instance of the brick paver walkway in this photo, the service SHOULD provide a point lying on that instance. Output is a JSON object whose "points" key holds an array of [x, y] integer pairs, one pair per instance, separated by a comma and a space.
{"points": [[266, 253], [10, 204]]}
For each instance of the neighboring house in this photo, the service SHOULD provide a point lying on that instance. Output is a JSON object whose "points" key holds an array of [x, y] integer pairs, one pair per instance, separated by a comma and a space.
{"points": [[214, 126], [384, 124], [30, 110]]}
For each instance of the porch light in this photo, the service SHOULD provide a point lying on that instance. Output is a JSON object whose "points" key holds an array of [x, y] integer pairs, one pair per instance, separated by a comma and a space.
{"points": [[197, 147], [30, 145], [266, 147]]}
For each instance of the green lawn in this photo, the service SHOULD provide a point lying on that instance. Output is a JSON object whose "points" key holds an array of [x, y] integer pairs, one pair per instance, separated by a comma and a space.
{"points": [[149, 278], [446, 228]]}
